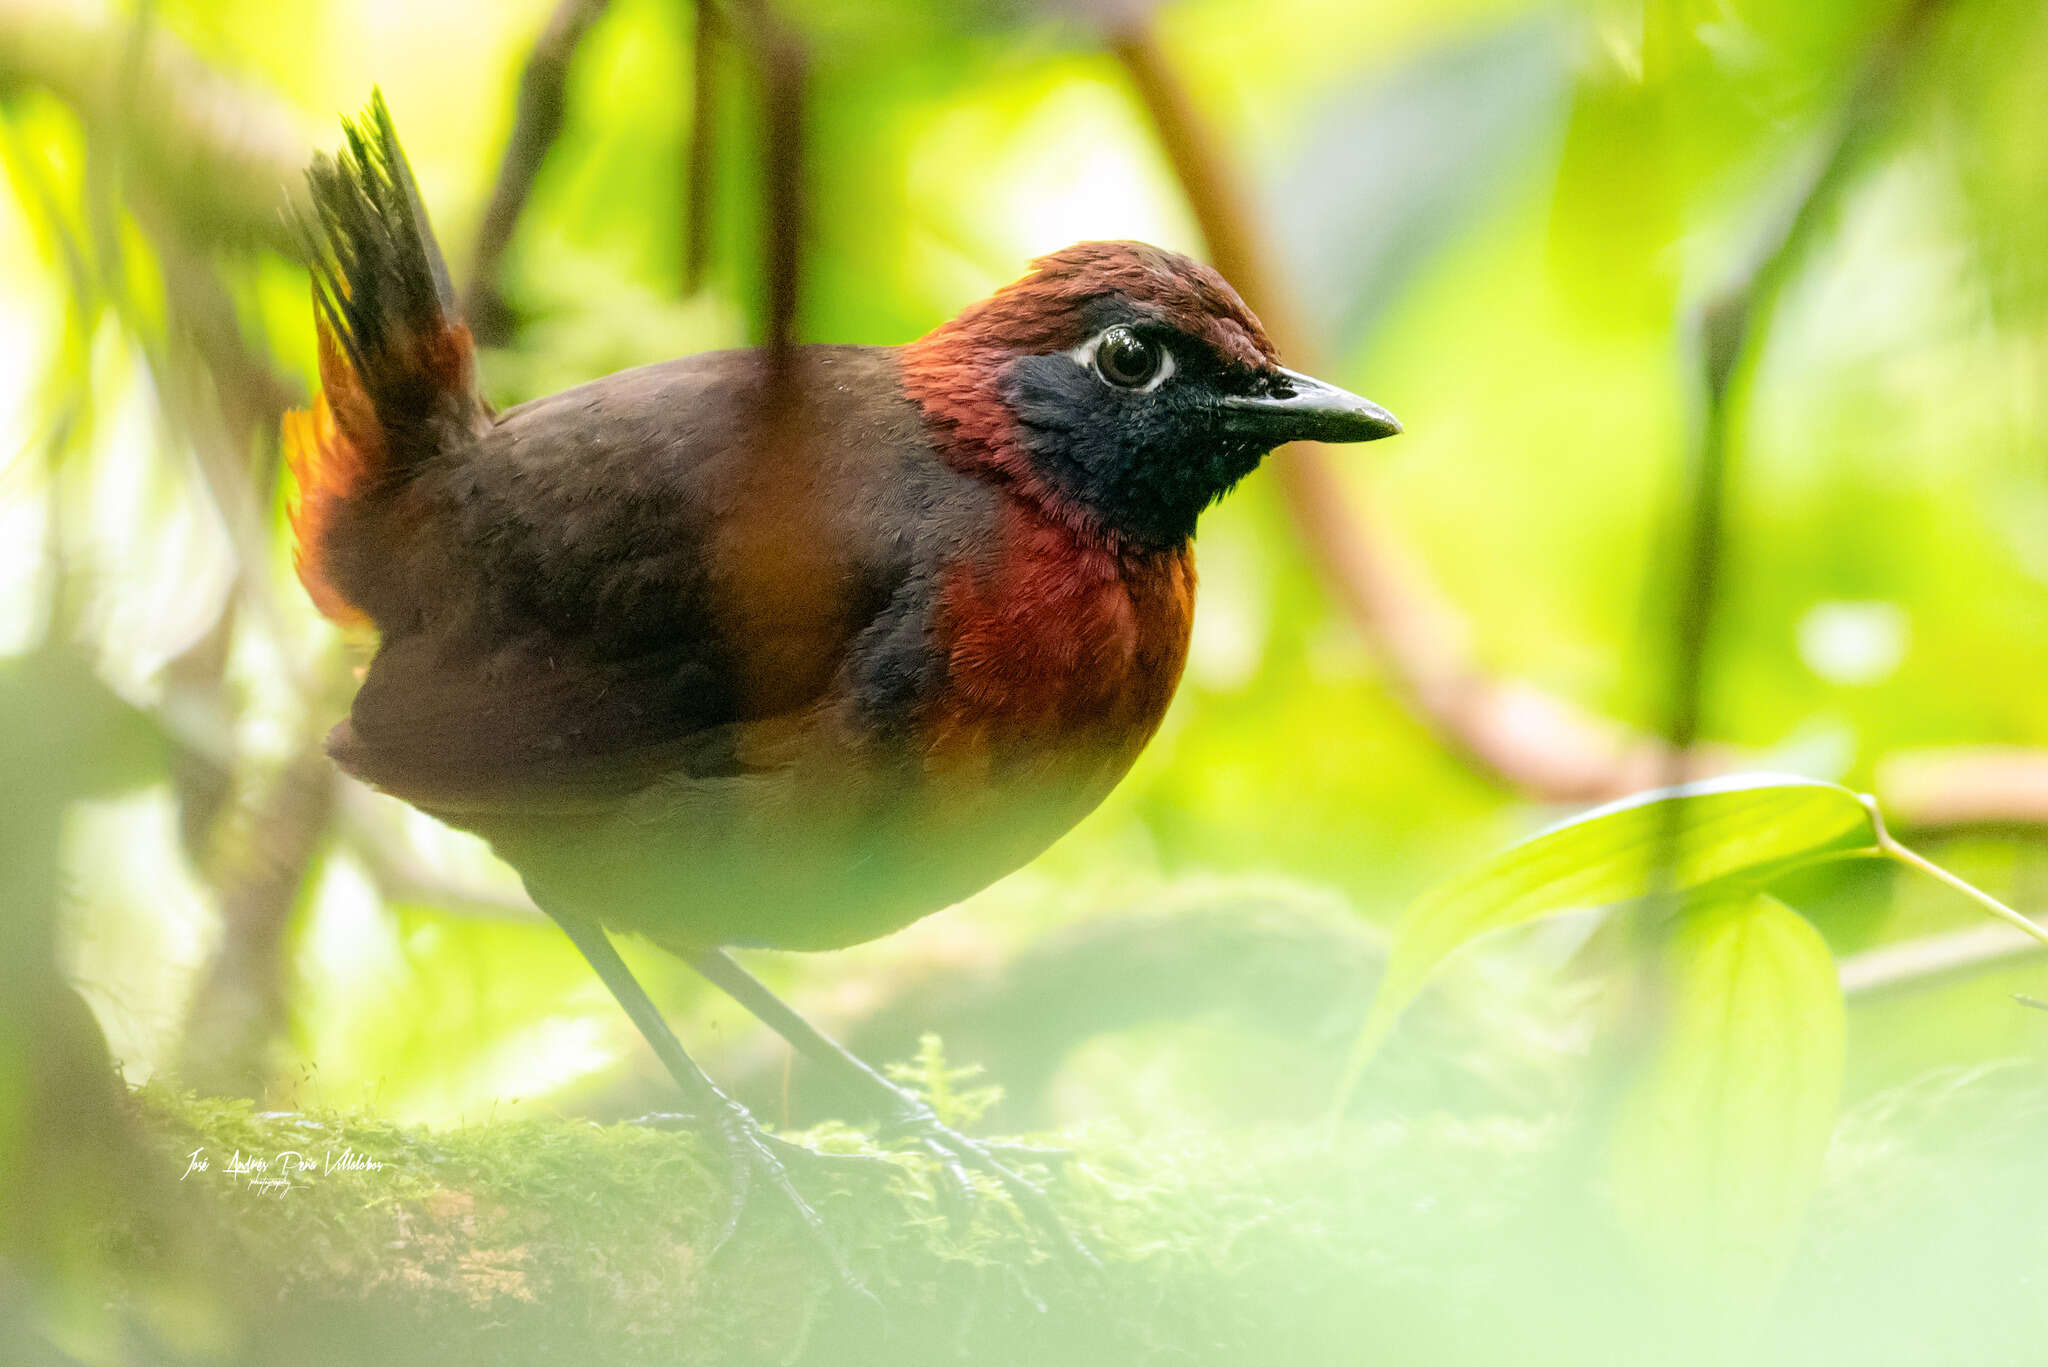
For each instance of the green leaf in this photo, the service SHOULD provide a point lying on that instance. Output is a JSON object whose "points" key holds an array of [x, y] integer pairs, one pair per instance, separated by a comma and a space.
{"points": [[1665, 840], [1718, 1145]]}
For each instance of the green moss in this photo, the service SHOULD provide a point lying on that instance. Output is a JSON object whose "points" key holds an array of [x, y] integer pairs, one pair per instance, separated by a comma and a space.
{"points": [[1428, 1241], [564, 1241]]}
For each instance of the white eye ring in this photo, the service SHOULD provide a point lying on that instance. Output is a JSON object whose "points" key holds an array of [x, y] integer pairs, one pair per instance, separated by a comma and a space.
{"points": [[1084, 356]]}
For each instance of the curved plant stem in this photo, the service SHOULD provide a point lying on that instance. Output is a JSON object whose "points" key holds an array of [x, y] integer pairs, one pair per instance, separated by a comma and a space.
{"points": [[1983, 899], [1894, 850]]}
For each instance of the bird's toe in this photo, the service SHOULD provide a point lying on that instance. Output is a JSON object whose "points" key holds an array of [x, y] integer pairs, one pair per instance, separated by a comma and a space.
{"points": [[755, 1159], [957, 1154]]}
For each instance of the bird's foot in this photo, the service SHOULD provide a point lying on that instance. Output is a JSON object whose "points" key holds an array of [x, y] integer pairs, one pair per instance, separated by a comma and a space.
{"points": [[753, 1152], [957, 1155], [755, 1159]]}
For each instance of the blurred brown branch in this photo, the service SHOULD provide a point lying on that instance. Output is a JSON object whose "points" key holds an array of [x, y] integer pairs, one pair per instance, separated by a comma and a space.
{"points": [[1543, 745], [1546, 747], [703, 167], [254, 392], [222, 155], [1980, 787], [537, 121], [783, 63], [1932, 959], [239, 1010], [204, 166], [785, 70]]}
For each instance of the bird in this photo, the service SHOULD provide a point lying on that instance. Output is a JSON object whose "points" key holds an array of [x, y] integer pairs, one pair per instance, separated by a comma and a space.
{"points": [[775, 647]]}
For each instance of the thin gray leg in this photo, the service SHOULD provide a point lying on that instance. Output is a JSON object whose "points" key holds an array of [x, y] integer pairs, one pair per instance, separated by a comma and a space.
{"points": [[748, 1151]]}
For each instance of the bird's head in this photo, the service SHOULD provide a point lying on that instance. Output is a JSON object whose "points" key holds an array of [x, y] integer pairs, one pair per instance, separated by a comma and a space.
{"points": [[1125, 387]]}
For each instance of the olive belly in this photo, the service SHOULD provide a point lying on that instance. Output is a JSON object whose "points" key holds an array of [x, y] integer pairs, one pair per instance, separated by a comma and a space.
{"points": [[782, 861]]}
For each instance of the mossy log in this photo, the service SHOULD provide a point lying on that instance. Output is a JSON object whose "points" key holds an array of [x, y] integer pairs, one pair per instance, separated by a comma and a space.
{"points": [[238, 1236], [341, 1238]]}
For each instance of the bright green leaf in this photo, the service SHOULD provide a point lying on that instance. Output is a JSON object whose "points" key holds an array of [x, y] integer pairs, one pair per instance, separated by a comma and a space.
{"points": [[1718, 1144], [1665, 840]]}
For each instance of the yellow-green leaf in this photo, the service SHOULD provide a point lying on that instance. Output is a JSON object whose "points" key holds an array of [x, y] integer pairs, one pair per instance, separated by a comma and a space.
{"points": [[1665, 840], [1718, 1144]]}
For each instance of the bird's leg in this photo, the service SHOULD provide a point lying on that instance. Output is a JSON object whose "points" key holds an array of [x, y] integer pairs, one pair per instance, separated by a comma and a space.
{"points": [[903, 1111], [750, 1151], [912, 1114]]}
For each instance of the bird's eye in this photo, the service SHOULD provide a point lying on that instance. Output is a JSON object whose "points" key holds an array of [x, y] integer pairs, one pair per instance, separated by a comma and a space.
{"points": [[1127, 360]]}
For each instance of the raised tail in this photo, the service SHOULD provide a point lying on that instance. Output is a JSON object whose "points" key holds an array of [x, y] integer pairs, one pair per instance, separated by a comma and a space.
{"points": [[397, 365]]}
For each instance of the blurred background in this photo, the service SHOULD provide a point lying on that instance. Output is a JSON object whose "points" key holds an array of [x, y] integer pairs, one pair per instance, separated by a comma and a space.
{"points": [[1720, 333]]}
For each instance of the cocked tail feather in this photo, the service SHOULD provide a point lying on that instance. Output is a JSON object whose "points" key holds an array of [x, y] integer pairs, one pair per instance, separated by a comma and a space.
{"points": [[397, 365]]}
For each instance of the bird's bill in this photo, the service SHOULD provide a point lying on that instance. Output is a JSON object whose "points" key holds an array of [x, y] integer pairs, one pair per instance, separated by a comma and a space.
{"points": [[1306, 409]]}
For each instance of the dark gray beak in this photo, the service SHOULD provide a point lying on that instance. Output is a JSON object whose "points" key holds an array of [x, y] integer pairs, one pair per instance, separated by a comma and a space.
{"points": [[1301, 408]]}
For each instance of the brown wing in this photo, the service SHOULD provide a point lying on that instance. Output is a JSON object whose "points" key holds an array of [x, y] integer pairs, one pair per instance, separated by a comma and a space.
{"points": [[651, 574]]}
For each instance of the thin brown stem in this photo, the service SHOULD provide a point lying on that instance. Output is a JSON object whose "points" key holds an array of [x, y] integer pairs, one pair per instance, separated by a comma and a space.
{"points": [[239, 1010], [1544, 746], [537, 122], [703, 147], [1534, 741], [784, 75]]}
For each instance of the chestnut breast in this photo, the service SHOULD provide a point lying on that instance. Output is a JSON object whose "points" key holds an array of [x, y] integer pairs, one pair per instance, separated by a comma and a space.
{"points": [[1061, 655]]}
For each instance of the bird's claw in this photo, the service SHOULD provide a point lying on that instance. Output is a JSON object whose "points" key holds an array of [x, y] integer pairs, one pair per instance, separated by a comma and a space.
{"points": [[915, 1120], [1047, 1156], [955, 1154], [752, 1153], [754, 1157], [803, 1155]]}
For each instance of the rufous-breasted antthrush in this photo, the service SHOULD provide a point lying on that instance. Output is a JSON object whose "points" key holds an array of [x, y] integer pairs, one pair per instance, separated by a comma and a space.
{"points": [[733, 650]]}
